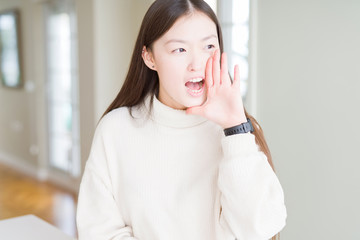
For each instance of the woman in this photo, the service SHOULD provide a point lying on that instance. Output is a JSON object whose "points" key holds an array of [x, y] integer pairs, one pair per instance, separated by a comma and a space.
{"points": [[175, 156]]}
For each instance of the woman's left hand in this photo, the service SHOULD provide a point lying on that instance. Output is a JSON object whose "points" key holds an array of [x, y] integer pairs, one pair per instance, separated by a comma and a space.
{"points": [[224, 104]]}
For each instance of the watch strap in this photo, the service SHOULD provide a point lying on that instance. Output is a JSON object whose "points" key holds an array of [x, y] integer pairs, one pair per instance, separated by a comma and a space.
{"points": [[241, 128]]}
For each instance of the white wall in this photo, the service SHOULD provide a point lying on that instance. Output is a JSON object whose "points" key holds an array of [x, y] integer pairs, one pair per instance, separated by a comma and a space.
{"points": [[18, 138], [86, 64], [116, 26], [308, 103]]}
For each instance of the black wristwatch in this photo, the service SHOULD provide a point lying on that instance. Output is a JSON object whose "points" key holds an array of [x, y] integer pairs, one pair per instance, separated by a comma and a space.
{"points": [[242, 128]]}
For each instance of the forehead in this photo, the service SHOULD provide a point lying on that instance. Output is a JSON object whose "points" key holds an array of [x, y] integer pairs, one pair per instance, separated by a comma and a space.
{"points": [[194, 26]]}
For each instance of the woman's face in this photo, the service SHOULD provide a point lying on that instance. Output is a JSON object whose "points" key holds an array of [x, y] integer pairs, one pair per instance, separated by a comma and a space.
{"points": [[180, 57]]}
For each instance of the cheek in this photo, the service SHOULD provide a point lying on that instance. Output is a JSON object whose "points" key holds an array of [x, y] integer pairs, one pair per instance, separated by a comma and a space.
{"points": [[172, 68], [206, 56]]}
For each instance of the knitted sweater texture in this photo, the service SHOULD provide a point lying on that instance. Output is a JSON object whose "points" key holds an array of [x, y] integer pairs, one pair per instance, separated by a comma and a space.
{"points": [[160, 174]]}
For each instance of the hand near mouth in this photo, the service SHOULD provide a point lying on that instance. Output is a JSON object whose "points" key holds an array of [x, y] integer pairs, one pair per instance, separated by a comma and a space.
{"points": [[224, 104]]}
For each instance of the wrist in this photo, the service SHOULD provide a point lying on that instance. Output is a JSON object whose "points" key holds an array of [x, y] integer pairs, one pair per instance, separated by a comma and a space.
{"points": [[234, 122], [245, 127]]}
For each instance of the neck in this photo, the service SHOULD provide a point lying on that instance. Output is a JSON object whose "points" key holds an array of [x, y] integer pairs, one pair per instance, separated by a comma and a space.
{"points": [[167, 116]]}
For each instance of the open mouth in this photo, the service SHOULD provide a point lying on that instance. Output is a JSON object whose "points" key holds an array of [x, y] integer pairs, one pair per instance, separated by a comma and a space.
{"points": [[195, 86]]}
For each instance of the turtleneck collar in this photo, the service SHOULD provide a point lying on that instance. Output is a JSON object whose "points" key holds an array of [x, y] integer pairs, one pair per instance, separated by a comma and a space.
{"points": [[170, 117]]}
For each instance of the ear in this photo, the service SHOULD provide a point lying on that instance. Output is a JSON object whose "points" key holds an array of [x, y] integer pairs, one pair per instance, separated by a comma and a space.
{"points": [[148, 58]]}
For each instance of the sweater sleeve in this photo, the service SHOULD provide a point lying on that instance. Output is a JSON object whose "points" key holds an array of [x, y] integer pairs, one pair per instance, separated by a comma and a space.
{"points": [[98, 216], [251, 197]]}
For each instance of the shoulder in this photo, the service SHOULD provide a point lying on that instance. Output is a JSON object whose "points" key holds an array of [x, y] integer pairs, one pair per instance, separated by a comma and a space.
{"points": [[116, 115], [121, 119]]}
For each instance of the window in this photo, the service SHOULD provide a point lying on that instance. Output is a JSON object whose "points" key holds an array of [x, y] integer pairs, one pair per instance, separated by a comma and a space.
{"points": [[62, 90], [234, 20]]}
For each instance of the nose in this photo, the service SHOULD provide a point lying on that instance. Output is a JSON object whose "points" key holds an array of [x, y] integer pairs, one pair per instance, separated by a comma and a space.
{"points": [[196, 62]]}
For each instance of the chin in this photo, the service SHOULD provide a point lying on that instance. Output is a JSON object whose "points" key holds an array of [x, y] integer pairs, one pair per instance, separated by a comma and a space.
{"points": [[195, 102]]}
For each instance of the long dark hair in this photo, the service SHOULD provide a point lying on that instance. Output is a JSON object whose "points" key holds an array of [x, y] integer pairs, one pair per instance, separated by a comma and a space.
{"points": [[141, 80]]}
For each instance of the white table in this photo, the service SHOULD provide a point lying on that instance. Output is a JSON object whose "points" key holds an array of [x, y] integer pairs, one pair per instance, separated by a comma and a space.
{"points": [[29, 227]]}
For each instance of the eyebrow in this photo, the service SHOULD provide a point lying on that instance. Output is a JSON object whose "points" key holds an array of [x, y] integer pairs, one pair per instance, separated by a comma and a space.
{"points": [[183, 41]]}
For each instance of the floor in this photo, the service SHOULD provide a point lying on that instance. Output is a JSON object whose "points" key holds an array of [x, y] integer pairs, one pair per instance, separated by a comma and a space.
{"points": [[22, 195]]}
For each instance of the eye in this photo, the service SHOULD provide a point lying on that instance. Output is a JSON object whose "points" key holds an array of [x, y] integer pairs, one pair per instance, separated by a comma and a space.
{"points": [[179, 50], [210, 46]]}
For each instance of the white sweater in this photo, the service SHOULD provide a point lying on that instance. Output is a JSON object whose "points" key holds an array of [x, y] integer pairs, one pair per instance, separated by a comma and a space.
{"points": [[166, 175]]}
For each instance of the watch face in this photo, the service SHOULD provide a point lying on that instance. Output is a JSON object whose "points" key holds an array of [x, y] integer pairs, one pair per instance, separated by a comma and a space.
{"points": [[247, 127], [251, 126]]}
